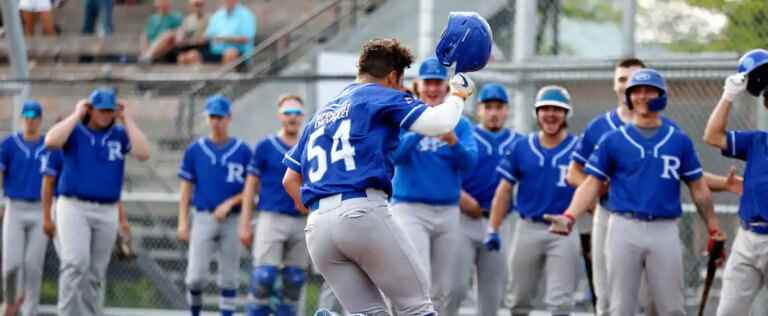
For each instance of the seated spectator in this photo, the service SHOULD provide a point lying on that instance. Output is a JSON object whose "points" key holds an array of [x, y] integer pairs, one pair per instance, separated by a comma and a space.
{"points": [[190, 37], [159, 36], [31, 11], [92, 10], [231, 32]]}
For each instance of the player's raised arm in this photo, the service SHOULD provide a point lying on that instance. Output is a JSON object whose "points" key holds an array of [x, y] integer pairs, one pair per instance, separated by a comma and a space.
{"points": [[715, 132], [59, 133], [441, 119], [138, 142]]}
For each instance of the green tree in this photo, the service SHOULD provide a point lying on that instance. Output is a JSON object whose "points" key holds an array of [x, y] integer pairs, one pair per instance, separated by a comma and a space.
{"points": [[746, 26]]}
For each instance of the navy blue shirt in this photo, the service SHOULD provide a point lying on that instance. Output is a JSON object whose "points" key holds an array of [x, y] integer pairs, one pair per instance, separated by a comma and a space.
{"points": [[428, 170], [267, 165], [218, 172], [752, 147], [21, 162], [540, 175], [346, 145], [94, 164], [482, 181], [645, 173]]}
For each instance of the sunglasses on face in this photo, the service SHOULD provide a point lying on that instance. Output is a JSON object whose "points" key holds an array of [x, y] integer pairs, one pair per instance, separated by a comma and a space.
{"points": [[292, 112]]}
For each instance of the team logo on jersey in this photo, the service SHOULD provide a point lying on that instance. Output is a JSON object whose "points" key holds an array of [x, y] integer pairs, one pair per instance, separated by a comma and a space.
{"points": [[115, 150], [431, 144], [671, 164], [235, 172]]}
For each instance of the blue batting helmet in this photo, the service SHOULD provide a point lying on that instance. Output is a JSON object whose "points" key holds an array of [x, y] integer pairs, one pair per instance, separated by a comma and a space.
{"points": [[753, 64], [553, 96], [432, 69], [466, 41], [648, 77], [494, 92]]}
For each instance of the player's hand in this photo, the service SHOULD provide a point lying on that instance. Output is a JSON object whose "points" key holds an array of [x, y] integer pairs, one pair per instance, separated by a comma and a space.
{"points": [[560, 224], [222, 211], [492, 241], [81, 108], [734, 183], [246, 234], [303, 210], [182, 233], [734, 85], [15, 308], [474, 210], [462, 86], [125, 230], [603, 190], [716, 236], [49, 228], [450, 138]]}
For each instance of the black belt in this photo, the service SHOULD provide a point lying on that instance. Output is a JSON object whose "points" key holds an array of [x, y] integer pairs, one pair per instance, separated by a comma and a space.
{"points": [[643, 216]]}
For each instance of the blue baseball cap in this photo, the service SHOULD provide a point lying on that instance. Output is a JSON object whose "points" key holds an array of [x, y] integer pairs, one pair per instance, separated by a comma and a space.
{"points": [[494, 92], [432, 69], [218, 105], [31, 109], [103, 99]]}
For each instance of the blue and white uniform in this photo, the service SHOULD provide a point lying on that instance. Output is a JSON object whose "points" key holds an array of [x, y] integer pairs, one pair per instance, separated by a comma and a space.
{"points": [[539, 173], [747, 267], [218, 173], [86, 213], [24, 243], [644, 200], [280, 249], [489, 267], [426, 191], [353, 242], [595, 131]]}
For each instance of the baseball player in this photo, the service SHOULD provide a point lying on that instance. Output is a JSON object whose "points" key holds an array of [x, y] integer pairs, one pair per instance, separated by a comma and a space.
{"points": [[645, 162], [280, 249], [21, 157], [93, 160], [747, 266], [539, 163], [339, 169], [212, 173], [427, 184], [490, 267]]}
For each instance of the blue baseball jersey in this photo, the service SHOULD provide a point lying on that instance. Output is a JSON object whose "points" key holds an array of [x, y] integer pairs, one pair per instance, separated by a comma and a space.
{"points": [[482, 181], [267, 165], [752, 147], [93, 164], [429, 170], [539, 173], [52, 164], [345, 147], [645, 173], [21, 162], [217, 172]]}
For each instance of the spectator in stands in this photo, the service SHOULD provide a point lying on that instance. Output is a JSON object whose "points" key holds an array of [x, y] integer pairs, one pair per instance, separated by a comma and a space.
{"points": [[94, 8], [158, 39], [231, 32], [190, 37], [31, 11]]}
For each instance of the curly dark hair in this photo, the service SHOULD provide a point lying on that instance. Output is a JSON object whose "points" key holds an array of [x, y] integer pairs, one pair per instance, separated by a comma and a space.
{"points": [[381, 56]]}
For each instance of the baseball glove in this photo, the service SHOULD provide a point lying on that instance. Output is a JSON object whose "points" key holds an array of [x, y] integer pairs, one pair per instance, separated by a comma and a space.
{"points": [[123, 249]]}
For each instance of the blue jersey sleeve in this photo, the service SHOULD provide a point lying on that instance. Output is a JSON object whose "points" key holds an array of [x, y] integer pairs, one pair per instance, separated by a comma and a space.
{"points": [[5, 154], [125, 142], [738, 144], [466, 150], [689, 164], [584, 147], [507, 166], [408, 141], [403, 110], [52, 165], [258, 160], [601, 162], [292, 158], [187, 169]]}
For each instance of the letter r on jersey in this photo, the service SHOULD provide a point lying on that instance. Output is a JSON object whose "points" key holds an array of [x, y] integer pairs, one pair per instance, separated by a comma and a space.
{"points": [[671, 164], [563, 172], [114, 151], [235, 172]]}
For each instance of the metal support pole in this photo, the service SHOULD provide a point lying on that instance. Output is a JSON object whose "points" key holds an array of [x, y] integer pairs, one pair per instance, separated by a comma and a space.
{"points": [[525, 30], [17, 53], [426, 29], [628, 28]]}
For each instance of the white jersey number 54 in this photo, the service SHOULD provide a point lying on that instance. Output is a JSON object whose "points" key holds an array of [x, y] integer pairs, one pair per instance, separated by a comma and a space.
{"points": [[341, 149]]}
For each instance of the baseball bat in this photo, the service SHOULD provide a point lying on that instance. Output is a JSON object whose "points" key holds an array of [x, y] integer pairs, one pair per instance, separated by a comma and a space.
{"points": [[716, 253], [586, 245]]}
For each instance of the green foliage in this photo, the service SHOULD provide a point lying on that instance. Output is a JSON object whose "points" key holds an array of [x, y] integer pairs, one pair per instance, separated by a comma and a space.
{"points": [[746, 27], [591, 10]]}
